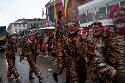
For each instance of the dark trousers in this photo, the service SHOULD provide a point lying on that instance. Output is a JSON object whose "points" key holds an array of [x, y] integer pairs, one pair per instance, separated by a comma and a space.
{"points": [[81, 70]]}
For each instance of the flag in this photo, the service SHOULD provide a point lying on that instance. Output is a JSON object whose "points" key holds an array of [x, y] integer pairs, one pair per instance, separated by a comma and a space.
{"points": [[55, 11], [62, 6], [63, 3], [66, 6]]}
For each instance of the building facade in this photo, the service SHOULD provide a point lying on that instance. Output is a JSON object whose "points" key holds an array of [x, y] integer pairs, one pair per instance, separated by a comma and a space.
{"points": [[71, 14], [89, 11], [16, 27], [26, 24], [97, 10], [50, 10]]}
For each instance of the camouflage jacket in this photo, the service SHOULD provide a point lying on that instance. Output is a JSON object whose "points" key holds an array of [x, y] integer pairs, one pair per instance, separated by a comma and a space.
{"points": [[10, 50]]}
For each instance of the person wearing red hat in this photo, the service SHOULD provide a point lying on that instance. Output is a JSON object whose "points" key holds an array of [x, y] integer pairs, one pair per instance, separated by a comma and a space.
{"points": [[104, 69], [119, 22], [31, 61], [69, 58]]}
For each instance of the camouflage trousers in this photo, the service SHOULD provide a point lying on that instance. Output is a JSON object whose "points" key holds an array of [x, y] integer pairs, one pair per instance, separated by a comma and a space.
{"points": [[11, 68], [36, 71], [71, 71], [33, 68], [71, 68]]}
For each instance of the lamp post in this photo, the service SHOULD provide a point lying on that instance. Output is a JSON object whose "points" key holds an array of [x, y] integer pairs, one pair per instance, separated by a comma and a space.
{"points": [[42, 13]]}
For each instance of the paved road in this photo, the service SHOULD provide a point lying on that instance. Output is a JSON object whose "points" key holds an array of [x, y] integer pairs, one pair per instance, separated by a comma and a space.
{"points": [[45, 64]]}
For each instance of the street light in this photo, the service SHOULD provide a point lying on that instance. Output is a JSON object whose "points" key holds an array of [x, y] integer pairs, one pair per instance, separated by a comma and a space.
{"points": [[42, 13]]}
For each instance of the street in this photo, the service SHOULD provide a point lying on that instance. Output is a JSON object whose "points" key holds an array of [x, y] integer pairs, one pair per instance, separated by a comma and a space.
{"points": [[45, 64], [69, 41]]}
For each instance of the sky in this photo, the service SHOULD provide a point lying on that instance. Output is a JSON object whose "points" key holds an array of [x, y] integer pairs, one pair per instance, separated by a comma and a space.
{"points": [[11, 10]]}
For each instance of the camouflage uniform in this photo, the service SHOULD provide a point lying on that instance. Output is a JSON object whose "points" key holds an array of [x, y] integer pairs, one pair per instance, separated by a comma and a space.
{"points": [[119, 21], [71, 48], [23, 49], [67, 53], [69, 58], [105, 58], [31, 61], [10, 56]]}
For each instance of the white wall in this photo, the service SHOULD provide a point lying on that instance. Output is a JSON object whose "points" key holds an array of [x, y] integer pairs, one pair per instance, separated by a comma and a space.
{"points": [[17, 28], [96, 4]]}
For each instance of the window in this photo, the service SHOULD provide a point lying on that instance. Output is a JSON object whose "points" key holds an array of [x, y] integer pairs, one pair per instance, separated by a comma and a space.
{"points": [[37, 25], [34, 25], [101, 12], [19, 29], [91, 14], [15, 30], [83, 17], [14, 25], [19, 25], [23, 25], [41, 24], [122, 4]]}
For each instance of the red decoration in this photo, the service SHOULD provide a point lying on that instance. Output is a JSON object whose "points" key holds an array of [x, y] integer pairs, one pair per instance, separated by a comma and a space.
{"points": [[114, 8]]}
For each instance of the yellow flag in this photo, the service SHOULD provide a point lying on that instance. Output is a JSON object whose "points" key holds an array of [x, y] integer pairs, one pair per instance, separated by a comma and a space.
{"points": [[66, 6], [55, 12]]}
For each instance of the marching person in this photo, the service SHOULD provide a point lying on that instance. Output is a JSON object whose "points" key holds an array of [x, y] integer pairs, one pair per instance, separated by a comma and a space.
{"points": [[10, 56], [23, 48], [119, 22], [65, 56], [34, 42], [69, 58], [104, 47], [32, 63], [110, 45]]}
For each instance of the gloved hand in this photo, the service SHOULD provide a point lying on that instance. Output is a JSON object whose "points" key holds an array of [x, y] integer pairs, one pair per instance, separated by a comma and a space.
{"points": [[107, 72], [56, 74]]}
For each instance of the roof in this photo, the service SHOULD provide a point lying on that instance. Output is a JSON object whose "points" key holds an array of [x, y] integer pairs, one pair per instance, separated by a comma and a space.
{"points": [[27, 20]]}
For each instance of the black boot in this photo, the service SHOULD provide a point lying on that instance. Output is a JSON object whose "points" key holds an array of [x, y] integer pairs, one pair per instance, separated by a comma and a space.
{"points": [[67, 79], [55, 76], [31, 77], [40, 80]]}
